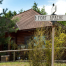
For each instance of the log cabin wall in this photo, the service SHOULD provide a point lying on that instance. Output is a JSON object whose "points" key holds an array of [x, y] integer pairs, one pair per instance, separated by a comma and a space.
{"points": [[22, 35]]}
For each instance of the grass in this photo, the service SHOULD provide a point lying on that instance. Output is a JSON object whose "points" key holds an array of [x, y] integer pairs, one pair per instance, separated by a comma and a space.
{"points": [[25, 64], [14, 64], [60, 64]]}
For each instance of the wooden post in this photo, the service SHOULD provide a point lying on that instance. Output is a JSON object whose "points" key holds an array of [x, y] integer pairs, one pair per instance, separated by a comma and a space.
{"points": [[14, 56], [9, 46], [53, 31], [8, 43], [14, 53]]}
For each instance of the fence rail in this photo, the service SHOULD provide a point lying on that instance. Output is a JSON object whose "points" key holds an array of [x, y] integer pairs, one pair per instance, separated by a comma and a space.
{"points": [[20, 50], [15, 50], [29, 49]]}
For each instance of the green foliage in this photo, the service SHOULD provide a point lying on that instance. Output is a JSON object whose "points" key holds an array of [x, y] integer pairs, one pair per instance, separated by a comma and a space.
{"points": [[62, 22], [39, 53], [13, 45], [1, 1], [10, 14], [35, 7], [14, 13], [43, 11], [6, 26], [60, 42], [21, 11], [36, 55]]}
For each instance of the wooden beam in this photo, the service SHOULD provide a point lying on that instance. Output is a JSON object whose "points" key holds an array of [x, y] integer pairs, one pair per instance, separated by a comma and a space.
{"points": [[28, 49]]}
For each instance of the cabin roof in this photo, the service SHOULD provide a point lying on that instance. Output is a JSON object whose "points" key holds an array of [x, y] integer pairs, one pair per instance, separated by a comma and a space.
{"points": [[27, 20]]}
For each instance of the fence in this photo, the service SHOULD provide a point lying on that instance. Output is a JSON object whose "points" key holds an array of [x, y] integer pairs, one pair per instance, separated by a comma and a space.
{"points": [[59, 61]]}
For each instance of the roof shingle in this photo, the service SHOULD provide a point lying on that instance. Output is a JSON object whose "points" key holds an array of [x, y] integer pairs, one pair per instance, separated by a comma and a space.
{"points": [[27, 20]]}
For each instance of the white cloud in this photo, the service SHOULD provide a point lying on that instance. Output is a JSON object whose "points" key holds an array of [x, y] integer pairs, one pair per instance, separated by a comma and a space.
{"points": [[48, 9], [0, 10], [61, 7]]}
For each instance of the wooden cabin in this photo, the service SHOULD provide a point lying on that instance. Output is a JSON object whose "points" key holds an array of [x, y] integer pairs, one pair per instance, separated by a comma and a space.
{"points": [[27, 26]]}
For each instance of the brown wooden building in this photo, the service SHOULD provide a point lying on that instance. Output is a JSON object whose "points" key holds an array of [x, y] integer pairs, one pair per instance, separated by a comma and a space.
{"points": [[27, 26]]}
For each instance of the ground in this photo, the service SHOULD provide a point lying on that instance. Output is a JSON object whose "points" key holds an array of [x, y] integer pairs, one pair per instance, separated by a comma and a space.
{"points": [[25, 64]]}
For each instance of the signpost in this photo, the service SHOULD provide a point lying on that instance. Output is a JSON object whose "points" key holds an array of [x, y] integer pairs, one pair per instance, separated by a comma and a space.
{"points": [[50, 17], [53, 18]]}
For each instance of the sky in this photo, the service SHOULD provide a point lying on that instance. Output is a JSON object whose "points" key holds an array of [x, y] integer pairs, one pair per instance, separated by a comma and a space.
{"points": [[17, 5]]}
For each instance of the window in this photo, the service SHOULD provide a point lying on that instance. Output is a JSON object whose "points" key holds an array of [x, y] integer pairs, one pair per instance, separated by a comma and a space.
{"points": [[42, 39], [27, 38]]}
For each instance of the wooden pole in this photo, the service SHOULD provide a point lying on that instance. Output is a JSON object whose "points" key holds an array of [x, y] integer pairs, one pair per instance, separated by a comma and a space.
{"points": [[14, 56], [53, 31], [9, 43], [14, 53]]}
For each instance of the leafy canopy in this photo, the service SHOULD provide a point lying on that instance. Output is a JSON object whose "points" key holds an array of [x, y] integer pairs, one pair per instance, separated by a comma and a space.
{"points": [[42, 11], [7, 25]]}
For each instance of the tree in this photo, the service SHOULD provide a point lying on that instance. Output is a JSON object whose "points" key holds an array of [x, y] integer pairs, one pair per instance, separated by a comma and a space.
{"points": [[37, 44], [1, 1], [14, 13], [35, 7], [10, 14], [43, 11], [39, 54], [4, 10], [21, 11], [62, 22], [6, 26]]}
